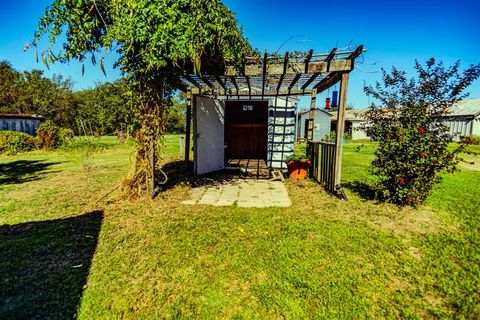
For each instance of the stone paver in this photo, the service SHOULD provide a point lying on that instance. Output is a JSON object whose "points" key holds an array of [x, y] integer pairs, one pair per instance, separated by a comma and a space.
{"points": [[248, 193]]}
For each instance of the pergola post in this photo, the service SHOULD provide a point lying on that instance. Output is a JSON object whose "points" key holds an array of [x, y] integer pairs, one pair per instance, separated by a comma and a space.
{"points": [[188, 126], [312, 115], [340, 129]]}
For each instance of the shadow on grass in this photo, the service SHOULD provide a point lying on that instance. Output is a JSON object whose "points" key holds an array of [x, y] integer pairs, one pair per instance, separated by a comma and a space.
{"points": [[23, 171], [44, 266], [363, 189], [179, 173]]}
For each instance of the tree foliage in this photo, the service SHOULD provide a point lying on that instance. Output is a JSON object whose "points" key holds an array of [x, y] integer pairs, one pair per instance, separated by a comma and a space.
{"points": [[31, 92], [105, 109], [155, 41], [412, 140]]}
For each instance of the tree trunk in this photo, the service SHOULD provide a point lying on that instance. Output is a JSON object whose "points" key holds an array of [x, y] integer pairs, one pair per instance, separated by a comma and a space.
{"points": [[150, 113]]}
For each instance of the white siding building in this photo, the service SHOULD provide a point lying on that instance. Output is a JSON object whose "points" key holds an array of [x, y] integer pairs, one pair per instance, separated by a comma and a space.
{"points": [[464, 118], [321, 126]]}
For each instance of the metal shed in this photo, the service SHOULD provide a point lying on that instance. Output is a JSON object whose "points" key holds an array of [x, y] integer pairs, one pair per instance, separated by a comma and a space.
{"points": [[27, 123]]}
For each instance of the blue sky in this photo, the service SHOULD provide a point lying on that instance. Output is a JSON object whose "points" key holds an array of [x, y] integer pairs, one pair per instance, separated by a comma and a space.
{"points": [[394, 32]]}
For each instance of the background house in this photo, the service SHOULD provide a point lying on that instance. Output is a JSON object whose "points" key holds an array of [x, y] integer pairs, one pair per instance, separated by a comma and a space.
{"points": [[321, 127], [27, 123], [354, 119], [463, 118]]}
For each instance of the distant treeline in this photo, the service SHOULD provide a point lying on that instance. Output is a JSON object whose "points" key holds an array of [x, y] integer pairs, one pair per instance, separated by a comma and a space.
{"points": [[105, 109]]}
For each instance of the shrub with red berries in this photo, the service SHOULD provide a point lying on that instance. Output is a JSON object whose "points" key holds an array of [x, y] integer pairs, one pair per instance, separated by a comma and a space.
{"points": [[412, 140]]}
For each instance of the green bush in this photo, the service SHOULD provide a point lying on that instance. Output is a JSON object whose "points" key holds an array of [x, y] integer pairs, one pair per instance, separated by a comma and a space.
{"points": [[413, 144], [84, 143], [66, 135], [48, 135], [13, 142], [472, 139]]}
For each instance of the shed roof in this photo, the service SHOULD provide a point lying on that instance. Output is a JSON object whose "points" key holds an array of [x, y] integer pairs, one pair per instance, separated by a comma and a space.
{"points": [[316, 109], [276, 75], [467, 107], [350, 115], [20, 115]]}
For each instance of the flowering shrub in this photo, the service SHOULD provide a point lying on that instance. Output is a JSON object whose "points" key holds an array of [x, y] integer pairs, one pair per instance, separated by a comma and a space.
{"points": [[412, 141]]}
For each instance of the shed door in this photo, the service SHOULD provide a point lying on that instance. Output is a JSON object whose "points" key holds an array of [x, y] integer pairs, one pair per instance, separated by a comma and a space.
{"points": [[209, 135], [246, 131]]}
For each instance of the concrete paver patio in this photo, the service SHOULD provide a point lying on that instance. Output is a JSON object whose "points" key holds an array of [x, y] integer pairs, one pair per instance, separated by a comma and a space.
{"points": [[244, 192]]}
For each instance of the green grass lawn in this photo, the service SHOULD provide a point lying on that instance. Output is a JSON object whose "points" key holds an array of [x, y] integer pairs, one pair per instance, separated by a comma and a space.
{"points": [[70, 248]]}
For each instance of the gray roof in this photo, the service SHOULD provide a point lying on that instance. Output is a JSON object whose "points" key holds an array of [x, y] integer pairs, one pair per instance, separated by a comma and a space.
{"points": [[463, 108], [302, 112], [350, 115], [467, 107]]}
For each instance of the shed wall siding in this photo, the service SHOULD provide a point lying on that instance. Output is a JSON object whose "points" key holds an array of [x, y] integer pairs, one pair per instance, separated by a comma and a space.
{"points": [[281, 131], [357, 132], [322, 123], [461, 127], [321, 127], [476, 126], [20, 124]]}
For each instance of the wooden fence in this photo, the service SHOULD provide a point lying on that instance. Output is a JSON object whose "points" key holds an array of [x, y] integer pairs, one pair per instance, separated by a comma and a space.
{"points": [[322, 168]]}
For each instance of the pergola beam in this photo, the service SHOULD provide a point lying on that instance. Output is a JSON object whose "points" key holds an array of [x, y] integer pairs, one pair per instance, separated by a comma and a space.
{"points": [[328, 82], [234, 81], [356, 52], [207, 82], [309, 81], [307, 59], [193, 81], [294, 81], [221, 83], [292, 68], [340, 130], [264, 72], [245, 93], [188, 125], [247, 79], [285, 64]]}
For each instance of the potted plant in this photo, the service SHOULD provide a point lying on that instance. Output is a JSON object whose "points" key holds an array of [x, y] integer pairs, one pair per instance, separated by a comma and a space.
{"points": [[297, 167]]}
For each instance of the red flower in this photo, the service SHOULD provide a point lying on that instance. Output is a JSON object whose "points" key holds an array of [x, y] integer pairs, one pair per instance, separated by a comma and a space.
{"points": [[421, 130], [409, 199], [434, 161], [423, 154], [401, 180]]}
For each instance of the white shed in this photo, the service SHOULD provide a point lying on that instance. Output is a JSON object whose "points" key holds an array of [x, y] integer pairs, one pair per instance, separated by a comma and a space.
{"points": [[321, 124], [227, 131], [354, 120]]}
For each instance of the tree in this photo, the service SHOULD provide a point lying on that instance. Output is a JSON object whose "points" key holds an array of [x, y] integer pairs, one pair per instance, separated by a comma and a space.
{"points": [[8, 91], [31, 92], [156, 41], [412, 140], [176, 115], [106, 108]]}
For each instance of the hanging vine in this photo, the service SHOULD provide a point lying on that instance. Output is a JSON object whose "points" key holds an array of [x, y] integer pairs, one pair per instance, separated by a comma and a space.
{"points": [[154, 41]]}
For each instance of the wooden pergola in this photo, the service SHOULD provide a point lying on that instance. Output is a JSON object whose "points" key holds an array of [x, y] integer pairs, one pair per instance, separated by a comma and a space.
{"points": [[281, 76]]}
